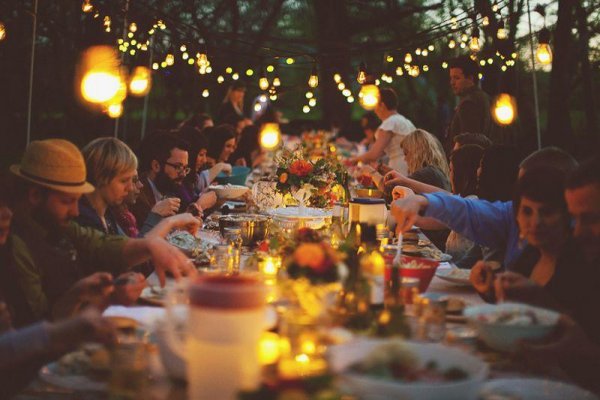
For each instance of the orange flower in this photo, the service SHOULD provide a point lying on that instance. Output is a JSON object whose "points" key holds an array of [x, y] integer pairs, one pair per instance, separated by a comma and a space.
{"points": [[309, 255], [301, 168], [283, 178]]}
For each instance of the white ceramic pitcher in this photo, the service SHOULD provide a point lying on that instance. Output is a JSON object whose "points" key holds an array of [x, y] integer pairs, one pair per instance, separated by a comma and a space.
{"points": [[225, 320]]}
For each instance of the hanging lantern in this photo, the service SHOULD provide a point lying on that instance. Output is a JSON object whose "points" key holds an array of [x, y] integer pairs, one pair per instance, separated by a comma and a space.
{"points": [[141, 81], [504, 109], [270, 136], [544, 51], [369, 96], [313, 79], [101, 77]]}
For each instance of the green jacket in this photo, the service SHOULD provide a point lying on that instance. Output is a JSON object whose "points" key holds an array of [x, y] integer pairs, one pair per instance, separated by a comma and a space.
{"points": [[49, 262]]}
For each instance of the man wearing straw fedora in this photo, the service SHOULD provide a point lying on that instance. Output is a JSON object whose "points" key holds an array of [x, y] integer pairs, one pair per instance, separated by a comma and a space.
{"points": [[56, 252]]}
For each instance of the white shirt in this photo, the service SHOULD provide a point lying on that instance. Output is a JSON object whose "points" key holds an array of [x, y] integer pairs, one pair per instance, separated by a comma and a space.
{"points": [[400, 126]]}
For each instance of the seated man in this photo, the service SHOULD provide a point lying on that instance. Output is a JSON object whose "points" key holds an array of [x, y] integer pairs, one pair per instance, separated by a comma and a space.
{"points": [[52, 252]]}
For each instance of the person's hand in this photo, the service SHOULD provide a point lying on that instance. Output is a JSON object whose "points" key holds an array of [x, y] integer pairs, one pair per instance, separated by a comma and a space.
{"points": [[5, 318], [207, 200], [394, 178], [168, 258], [185, 221], [482, 277], [516, 287], [88, 326], [406, 211], [225, 168], [167, 207], [128, 288], [95, 289]]}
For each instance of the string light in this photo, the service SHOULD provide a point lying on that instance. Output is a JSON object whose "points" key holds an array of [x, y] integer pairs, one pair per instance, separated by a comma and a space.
{"points": [[133, 27], [155, 66], [235, 76], [2, 31], [263, 82], [249, 72], [505, 109], [273, 97], [312, 102], [475, 44], [451, 44], [362, 73], [205, 93], [418, 51], [115, 110], [425, 52], [389, 58], [485, 21], [464, 37], [350, 99], [228, 70], [309, 95], [454, 22], [337, 78], [444, 65], [501, 34], [270, 68], [141, 81], [425, 68], [170, 59], [399, 71], [289, 61], [431, 47], [408, 58], [341, 86], [346, 92], [87, 6], [306, 109], [220, 79], [276, 81], [313, 79], [495, 6], [544, 51]]}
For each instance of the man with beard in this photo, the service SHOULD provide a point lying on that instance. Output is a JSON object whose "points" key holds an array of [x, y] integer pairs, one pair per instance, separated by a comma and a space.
{"points": [[164, 165], [52, 252]]}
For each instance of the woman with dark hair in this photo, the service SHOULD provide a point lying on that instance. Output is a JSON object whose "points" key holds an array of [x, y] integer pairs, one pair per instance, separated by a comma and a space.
{"points": [[550, 260], [249, 148], [464, 163], [221, 144], [497, 173]]}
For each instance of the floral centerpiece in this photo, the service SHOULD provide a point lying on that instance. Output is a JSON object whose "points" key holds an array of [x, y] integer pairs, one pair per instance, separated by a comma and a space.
{"points": [[310, 183]]}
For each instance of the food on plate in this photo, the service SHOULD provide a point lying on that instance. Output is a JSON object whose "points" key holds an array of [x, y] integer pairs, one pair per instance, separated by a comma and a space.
{"points": [[424, 251], [511, 317], [191, 246], [394, 361], [91, 358], [455, 305]]}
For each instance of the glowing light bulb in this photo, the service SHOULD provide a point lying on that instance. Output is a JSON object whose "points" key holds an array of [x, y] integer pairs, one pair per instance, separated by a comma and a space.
{"points": [[474, 44], [544, 51], [451, 44], [228, 70], [408, 58], [220, 79], [505, 109], [418, 51], [155, 66], [115, 110], [141, 81], [362, 73], [263, 83], [341, 86], [399, 71], [205, 93], [369, 96], [289, 60], [249, 72], [346, 92], [270, 136], [170, 59], [270, 68], [389, 58], [444, 65], [337, 78], [235, 76], [431, 47], [133, 27], [312, 102], [350, 99], [309, 95], [276, 81], [87, 6], [257, 107], [2, 31], [313, 79], [306, 109], [502, 33], [485, 21]]}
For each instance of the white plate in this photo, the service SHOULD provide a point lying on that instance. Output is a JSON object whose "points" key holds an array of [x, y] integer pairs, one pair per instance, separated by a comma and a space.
{"points": [[454, 275], [534, 389]]}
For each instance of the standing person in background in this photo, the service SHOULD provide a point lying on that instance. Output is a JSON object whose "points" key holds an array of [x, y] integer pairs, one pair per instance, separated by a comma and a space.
{"points": [[233, 103], [472, 114], [393, 129]]}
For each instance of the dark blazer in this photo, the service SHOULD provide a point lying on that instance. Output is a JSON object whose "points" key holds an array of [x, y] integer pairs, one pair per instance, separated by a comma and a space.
{"points": [[472, 115]]}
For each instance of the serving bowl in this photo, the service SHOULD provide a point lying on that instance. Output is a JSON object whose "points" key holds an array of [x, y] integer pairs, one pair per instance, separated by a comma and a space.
{"points": [[237, 177], [229, 191], [254, 227], [366, 387], [425, 271], [503, 336]]}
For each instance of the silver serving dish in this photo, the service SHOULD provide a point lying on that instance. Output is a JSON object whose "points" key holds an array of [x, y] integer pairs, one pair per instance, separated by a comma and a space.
{"points": [[254, 227]]}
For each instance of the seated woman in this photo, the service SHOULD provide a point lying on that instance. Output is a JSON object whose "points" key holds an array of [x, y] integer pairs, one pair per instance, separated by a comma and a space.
{"points": [[551, 260], [249, 148], [221, 144]]}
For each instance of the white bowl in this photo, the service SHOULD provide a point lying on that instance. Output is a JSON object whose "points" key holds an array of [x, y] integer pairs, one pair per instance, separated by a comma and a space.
{"points": [[229, 191], [504, 337], [370, 388]]}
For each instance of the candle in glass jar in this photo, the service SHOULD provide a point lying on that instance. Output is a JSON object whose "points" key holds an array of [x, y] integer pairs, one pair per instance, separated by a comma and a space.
{"points": [[269, 266], [301, 366]]}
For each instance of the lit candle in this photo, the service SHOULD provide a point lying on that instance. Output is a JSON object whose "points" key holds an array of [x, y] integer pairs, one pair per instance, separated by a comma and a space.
{"points": [[269, 266], [301, 366], [268, 348]]}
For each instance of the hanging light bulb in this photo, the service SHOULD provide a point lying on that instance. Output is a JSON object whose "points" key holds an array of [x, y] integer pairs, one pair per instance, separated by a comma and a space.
{"points": [[464, 37], [501, 33], [454, 22], [485, 21], [408, 58], [270, 136], [313, 79], [205, 93], [170, 59], [202, 62], [115, 110], [312, 102], [505, 109], [399, 71], [309, 95], [107, 23], [544, 51], [276, 81], [475, 44], [451, 44], [414, 71], [2, 31], [337, 78], [133, 27], [101, 78], [305, 109], [87, 6], [495, 6], [418, 51], [369, 96], [140, 82], [263, 82], [362, 73]]}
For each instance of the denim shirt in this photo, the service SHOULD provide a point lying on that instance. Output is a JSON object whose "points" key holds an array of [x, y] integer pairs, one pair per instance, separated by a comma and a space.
{"points": [[488, 224]]}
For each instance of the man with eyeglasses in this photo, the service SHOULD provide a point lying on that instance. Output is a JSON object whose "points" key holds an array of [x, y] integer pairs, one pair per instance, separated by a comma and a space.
{"points": [[164, 165]]}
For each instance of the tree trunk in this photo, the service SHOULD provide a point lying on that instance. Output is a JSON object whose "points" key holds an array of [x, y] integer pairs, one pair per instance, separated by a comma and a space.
{"points": [[589, 103], [559, 130]]}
